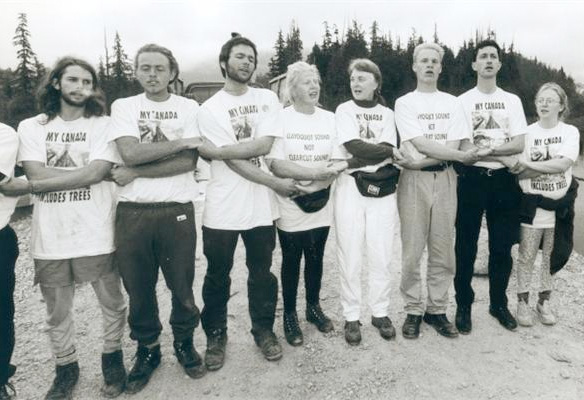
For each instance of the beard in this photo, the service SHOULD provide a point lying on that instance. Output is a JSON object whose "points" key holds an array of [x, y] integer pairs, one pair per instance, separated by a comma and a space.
{"points": [[234, 75], [74, 103]]}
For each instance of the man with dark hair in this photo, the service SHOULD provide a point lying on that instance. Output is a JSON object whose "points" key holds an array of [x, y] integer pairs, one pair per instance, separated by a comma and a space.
{"points": [[238, 200], [498, 129], [66, 157], [155, 133]]}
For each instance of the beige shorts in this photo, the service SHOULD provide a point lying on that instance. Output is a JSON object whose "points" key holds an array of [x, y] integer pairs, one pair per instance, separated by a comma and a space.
{"points": [[60, 273]]}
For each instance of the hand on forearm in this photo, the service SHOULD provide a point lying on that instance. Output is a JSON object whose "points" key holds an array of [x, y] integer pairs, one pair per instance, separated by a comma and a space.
{"points": [[15, 187]]}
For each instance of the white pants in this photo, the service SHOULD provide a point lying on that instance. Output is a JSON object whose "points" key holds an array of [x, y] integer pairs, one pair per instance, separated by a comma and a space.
{"points": [[365, 227]]}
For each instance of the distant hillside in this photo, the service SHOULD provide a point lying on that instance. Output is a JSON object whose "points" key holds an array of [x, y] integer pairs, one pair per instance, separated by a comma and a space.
{"points": [[208, 70]]}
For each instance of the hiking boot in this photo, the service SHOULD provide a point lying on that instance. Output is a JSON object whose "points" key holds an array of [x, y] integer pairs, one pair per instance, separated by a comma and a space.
{"points": [[441, 324], [65, 380], [504, 317], [385, 327], [215, 354], [545, 313], [315, 315], [190, 360], [7, 391], [268, 343], [411, 326], [114, 374], [463, 320], [292, 330], [524, 314], [147, 360], [353, 332]]}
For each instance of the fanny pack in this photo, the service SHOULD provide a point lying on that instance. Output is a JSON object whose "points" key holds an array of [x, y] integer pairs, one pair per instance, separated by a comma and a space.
{"points": [[313, 202], [380, 183]]}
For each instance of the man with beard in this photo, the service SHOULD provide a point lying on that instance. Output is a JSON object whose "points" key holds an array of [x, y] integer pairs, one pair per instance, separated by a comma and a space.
{"points": [[155, 133], [487, 187], [73, 218], [238, 200]]}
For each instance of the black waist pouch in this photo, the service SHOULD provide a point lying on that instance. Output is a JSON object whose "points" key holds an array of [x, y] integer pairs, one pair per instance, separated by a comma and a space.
{"points": [[380, 183], [313, 202]]}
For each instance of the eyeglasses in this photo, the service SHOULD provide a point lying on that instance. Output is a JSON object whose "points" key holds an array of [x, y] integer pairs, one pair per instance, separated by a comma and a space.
{"points": [[546, 102]]}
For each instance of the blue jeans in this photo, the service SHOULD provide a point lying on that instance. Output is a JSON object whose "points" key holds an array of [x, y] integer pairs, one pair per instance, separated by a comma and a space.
{"points": [[8, 256]]}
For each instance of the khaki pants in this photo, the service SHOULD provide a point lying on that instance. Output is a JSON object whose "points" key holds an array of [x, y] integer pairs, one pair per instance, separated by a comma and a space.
{"points": [[427, 209], [59, 301]]}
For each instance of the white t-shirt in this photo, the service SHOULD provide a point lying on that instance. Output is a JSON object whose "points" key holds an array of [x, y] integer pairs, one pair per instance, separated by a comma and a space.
{"points": [[307, 140], [231, 201], [494, 119], [541, 145], [149, 122], [436, 116], [8, 151], [70, 223], [372, 125]]}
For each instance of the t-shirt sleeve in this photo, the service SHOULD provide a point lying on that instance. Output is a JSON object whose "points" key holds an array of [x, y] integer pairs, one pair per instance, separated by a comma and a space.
{"points": [[277, 151], [406, 121], [347, 127], [8, 150], [270, 123], [571, 145], [122, 122], [389, 133], [459, 128], [32, 146], [191, 128], [101, 147], [517, 122], [211, 129]]}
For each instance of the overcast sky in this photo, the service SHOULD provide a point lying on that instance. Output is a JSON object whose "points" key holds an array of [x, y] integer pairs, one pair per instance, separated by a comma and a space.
{"points": [[552, 31]]}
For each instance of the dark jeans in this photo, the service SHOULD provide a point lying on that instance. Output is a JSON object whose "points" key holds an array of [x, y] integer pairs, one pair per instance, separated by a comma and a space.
{"points": [[149, 236], [498, 194], [262, 286], [8, 256], [294, 244]]}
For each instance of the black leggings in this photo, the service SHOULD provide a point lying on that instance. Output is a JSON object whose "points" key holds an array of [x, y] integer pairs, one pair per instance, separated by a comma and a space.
{"points": [[293, 244], [8, 256]]}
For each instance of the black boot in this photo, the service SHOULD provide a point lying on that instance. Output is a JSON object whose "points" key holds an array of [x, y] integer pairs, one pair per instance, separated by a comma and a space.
{"points": [[114, 374], [65, 380], [292, 329], [190, 360], [147, 360]]}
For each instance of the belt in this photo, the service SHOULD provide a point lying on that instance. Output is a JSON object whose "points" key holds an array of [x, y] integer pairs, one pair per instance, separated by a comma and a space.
{"points": [[438, 167], [482, 171]]}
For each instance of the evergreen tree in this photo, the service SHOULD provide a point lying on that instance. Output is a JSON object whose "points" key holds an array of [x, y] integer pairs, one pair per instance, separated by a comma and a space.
{"points": [[25, 71], [120, 67], [277, 63], [293, 49]]}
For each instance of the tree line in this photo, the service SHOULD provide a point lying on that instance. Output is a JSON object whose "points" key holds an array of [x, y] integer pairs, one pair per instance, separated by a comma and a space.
{"points": [[519, 74]]}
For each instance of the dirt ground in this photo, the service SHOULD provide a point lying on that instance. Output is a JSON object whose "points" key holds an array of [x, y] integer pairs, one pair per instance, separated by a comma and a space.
{"points": [[491, 363]]}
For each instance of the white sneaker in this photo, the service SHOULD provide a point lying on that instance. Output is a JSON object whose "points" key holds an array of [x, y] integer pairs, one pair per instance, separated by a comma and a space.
{"points": [[524, 314], [545, 313]]}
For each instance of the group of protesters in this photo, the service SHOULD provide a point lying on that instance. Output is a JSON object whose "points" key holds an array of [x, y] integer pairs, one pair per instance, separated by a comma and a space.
{"points": [[113, 204]]}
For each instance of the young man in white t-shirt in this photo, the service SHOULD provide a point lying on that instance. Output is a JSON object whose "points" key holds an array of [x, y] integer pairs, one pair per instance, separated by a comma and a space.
{"points": [[155, 133], [498, 127], [239, 201], [8, 253], [65, 155], [431, 125]]}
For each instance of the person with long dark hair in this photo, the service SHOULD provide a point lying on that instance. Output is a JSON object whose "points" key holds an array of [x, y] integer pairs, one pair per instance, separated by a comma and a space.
{"points": [[66, 157]]}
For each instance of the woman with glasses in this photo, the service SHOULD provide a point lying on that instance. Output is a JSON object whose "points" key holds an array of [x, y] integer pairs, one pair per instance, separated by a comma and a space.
{"points": [[545, 169]]}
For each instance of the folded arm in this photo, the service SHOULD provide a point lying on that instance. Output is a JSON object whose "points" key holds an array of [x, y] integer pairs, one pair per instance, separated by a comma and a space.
{"points": [[135, 153]]}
